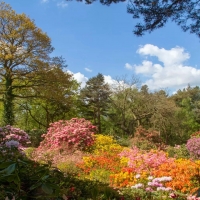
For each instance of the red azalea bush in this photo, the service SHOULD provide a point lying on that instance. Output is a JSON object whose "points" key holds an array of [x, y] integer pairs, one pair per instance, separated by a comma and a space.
{"points": [[69, 134]]}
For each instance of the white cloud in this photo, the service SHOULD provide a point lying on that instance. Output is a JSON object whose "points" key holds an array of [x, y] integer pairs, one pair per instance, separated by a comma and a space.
{"points": [[128, 66], [87, 69], [148, 68], [172, 73], [170, 57], [80, 78], [114, 84], [108, 79], [62, 4]]}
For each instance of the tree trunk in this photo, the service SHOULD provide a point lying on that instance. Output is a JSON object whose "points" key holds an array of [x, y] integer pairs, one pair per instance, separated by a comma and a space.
{"points": [[8, 101], [99, 120]]}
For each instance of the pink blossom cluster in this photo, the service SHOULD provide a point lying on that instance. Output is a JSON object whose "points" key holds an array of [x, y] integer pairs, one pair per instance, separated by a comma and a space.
{"points": [[140, 161], [193, 146], [10, 136], [66, 134], [192, 197]]}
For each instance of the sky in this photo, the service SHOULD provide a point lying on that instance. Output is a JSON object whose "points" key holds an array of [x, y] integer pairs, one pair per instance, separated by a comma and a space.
{"points": [[99, 39]]}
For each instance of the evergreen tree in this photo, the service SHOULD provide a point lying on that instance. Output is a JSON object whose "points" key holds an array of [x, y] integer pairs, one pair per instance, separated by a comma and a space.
{"points": [[95, 98]]}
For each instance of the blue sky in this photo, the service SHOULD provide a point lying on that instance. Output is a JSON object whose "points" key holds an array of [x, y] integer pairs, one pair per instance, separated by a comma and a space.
{"points": [[99, 39]]}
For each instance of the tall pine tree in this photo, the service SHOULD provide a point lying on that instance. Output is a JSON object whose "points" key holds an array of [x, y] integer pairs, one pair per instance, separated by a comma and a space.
{"points": [[95, 98]]}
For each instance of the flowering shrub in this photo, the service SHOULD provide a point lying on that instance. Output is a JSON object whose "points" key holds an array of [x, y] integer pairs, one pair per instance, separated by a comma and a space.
{"points": [[99, 167], [11, 137], [104, 143], [65, 135], [141, 160], [193, 146], [178, 151], [181, 171], [149, 187], [126, 178], [147, 139]]}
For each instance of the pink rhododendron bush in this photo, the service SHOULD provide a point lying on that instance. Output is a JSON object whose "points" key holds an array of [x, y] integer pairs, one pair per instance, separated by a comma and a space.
{"points": [[193, 145], [68, 134]]}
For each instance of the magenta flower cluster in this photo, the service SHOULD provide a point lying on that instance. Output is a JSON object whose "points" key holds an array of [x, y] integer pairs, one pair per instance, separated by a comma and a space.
{"points": [[193, 146], [13, 137], [68, 134]]}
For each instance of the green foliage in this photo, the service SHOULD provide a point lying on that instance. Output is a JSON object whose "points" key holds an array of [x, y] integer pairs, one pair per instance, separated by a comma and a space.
{"points": [[147, 139], [29, 152], [124, 141], [101, 175], [24, 48], [94, 98], [35, 136], [90, 190], [25, 179], [69, 168], [178, 151]]}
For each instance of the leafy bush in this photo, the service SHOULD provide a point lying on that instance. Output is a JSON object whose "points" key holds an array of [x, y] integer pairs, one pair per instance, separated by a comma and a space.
{"points": [[68, 168], [29, 152], [123, 141], [178, 151], [147, 139], [25, 179], [35, 136], [67, 135]]}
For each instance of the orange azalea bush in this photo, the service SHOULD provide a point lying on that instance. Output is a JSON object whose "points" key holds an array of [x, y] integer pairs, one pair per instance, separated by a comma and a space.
{"points": [[94, 167], [103, 161], [183, 173]]}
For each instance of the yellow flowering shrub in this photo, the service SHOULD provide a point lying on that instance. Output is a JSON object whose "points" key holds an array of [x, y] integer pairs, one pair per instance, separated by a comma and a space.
{"points": [[105, 143], [127, 178]]}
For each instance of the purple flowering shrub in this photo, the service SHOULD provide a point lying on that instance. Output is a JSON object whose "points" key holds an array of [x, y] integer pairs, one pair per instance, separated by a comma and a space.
{"points": [[68, 135], [10, 136], [193, 146]]}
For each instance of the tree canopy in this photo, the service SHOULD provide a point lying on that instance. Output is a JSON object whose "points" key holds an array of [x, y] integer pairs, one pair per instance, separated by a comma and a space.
{"points": [[26, 68], [95, 98]]}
